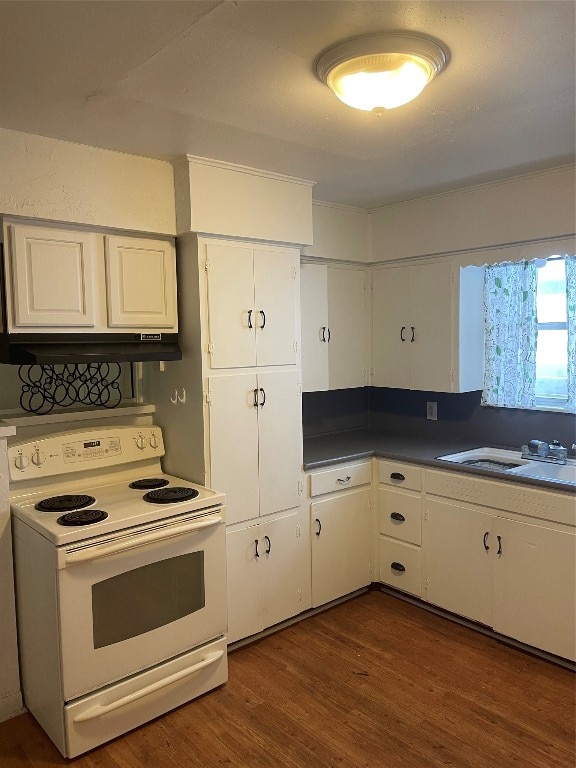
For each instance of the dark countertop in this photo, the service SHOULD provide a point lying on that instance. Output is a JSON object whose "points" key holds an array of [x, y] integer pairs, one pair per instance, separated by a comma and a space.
{"points": [[325, 450]]}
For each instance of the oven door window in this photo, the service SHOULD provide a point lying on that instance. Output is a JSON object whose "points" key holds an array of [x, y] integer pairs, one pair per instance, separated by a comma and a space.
{"points": [[148, 597]]}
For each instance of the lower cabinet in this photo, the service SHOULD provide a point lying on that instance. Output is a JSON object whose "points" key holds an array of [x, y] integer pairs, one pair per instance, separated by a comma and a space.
{"points": [[268, 575], [341, 532], [400, 526], [514, 575], [535, 585], [458, 548]]}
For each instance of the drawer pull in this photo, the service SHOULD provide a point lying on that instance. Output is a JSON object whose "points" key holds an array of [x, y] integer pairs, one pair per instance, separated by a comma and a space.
{"points": [[344, 480], [318, 527], [398, 567], [397, 476], [398, 516]]}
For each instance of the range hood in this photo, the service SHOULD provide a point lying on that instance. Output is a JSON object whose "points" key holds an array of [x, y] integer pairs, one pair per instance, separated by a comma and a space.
{"points": [[62, 348]]}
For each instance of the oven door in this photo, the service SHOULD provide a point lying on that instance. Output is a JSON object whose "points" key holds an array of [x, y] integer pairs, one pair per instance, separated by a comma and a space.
{"points": [[132, 600]]}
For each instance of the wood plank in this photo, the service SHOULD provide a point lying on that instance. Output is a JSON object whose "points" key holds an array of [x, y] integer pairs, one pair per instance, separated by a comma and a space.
{"points": [[372, 683]]}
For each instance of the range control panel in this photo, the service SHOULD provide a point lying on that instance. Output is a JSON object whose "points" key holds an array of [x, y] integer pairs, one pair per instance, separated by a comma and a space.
{"points": [[68, 452]]}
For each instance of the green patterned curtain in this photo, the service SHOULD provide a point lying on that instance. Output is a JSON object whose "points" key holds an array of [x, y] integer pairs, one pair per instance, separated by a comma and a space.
{"points": [[510, 335], [571, 324]]}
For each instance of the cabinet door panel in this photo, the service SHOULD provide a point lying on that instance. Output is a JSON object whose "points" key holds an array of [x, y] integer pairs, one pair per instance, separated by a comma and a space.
{"points": [[431, 317], [341, 533], [245, 609], [231, 306], [534, 586], [346, 321], [391, 324], [141, 283], [285, 567], [458, 570], [54, 275], [280, 441], [234, 444], [276, 282], [314, 311]]}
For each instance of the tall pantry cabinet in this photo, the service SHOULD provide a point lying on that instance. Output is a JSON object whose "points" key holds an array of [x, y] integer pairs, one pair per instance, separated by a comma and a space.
{"points": [[231, 414]]}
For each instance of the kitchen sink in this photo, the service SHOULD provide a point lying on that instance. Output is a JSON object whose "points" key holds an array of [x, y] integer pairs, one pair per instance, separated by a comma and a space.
{"points": [[512, 462]]}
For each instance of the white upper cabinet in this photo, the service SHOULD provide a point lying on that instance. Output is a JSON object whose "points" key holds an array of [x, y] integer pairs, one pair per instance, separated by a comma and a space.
{"points": [[66, 278], [252, 300], [427, 328], [141, 283], [333, 302], [54, 277]]}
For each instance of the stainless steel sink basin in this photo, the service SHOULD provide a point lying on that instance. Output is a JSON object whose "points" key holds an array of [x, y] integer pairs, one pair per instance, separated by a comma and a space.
{"points": [[512, 462], [488, 458]]}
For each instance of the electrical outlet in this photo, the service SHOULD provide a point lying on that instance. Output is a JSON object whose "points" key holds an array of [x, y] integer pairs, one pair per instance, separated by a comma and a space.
{"points": [[432, 410]]}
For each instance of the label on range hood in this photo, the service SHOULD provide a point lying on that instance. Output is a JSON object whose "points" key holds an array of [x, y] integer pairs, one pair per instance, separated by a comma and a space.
{"points": [[150, 337]]}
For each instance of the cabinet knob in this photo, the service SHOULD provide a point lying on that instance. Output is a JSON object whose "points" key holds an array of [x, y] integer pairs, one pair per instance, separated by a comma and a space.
{"points": [[402, 333], [499, 551], [485, 540], [344, 480], [397, 476], [318, 526], [250, 319], [268, 545], [256, 553], [397, 516], [263, 316], [398, 567], [412, 329]]}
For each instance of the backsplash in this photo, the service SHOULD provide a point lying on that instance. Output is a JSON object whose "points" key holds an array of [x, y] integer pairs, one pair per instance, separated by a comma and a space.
{"points": [[460, 417]]}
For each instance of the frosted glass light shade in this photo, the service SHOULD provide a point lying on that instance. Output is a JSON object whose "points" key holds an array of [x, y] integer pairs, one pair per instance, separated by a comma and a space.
{"points": [[381, 71]]}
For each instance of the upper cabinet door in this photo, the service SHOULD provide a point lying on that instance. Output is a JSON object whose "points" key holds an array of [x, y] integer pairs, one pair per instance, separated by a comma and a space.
{"points": [[431, 298], [391, 328], [231, 315], [347, 328], [276, 290], [53, 277], [315, 331], [141, 283]]}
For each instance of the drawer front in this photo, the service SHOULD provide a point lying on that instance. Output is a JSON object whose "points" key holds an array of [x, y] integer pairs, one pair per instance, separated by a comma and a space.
{"points": [[400, 566], [400, 475], [400, 514], [340, 478]]}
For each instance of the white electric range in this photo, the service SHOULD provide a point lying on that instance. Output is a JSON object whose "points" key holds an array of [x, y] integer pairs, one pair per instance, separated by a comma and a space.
{"points": [[120, 583]]}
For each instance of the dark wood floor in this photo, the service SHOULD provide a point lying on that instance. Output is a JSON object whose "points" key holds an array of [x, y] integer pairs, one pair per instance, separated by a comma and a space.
{"points": [[372, 683]]}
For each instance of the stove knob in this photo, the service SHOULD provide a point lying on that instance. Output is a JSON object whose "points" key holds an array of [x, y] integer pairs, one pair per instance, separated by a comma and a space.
{"points": [[154, 442], [38, 458], [21, 462], [140, 443]]}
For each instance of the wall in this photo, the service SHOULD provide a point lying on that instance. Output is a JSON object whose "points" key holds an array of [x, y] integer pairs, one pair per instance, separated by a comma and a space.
{"points": [[520, 209], [460, 417], [59, 181], [340, 232]]}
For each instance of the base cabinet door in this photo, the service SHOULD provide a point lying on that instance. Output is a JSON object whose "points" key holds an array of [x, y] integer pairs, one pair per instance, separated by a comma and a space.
{"points": [[267, 575], [341, 536], [535, 586], [457, 541]]}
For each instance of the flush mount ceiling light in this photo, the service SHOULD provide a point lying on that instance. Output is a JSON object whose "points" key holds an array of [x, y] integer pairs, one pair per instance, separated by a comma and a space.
{"points": [[377, 72]]}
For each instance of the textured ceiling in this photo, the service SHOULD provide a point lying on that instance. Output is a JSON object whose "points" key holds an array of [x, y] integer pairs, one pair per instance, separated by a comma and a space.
{"points": [[235, 81]]}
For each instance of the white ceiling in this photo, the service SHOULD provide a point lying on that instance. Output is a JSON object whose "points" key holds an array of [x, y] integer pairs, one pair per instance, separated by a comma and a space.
{"points": [[234, 80]]}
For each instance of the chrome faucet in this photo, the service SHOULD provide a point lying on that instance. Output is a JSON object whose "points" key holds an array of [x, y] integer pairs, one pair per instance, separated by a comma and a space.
{"points": [[539, 450]]}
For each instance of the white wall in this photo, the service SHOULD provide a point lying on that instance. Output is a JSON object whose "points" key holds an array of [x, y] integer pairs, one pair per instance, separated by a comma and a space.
{"points": [[340, 232], [524, 208], [59, 181]]}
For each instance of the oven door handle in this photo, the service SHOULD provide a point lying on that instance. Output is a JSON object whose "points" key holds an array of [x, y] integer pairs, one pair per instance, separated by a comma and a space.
{"points": [[95, 552], [103, 709]]}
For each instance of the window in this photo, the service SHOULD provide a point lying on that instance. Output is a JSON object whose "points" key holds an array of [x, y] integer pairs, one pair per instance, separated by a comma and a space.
{"points": [[552, 340], [530, 334]]}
